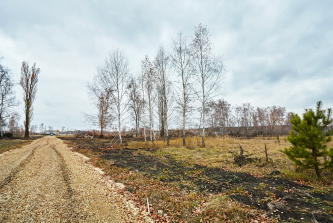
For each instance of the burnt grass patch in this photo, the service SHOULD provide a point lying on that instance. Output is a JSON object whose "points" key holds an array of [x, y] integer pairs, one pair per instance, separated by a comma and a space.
{"points": [[280, 198]]}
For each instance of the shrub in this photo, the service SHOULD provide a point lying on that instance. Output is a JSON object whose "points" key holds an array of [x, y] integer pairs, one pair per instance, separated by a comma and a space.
{"points": [[8, 135], [78, 135]]}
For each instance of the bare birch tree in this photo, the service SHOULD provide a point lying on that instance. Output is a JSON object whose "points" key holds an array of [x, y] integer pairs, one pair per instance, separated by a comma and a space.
{"points": [[160, 111], [28, 81], [255, 121], [135, 102], [261, 114], [246, 117], [143, 89], [212, 113], [116, 76], [209, 70], [224, 113], [13, 123], [181, 62], [100, 94], [41, 128], [7, 95], [149, 76], [162, 65]]}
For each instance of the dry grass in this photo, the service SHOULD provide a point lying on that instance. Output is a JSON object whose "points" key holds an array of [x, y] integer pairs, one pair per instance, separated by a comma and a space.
{"points": [[177, 204], [6, 145], [217, 154], [17, 142], [225, 209], [192, 204]]}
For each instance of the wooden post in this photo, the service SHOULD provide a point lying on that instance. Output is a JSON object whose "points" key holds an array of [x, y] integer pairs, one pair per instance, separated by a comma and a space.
{"points": [[242, 159], [266, 153]]}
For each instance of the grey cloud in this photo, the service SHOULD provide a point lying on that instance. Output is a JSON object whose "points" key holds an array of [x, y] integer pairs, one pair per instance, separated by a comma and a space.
{"points": [[275, 52]]}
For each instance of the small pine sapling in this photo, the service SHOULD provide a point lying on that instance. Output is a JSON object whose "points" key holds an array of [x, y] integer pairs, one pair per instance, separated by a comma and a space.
{"points": [[309, 140]]}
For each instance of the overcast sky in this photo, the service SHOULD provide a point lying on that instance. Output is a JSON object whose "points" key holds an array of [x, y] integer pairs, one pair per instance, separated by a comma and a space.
{"points": [[275, 52]]}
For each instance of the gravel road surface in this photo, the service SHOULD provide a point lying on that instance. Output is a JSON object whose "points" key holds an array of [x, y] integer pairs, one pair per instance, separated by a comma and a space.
{"points": [[47, 182]]}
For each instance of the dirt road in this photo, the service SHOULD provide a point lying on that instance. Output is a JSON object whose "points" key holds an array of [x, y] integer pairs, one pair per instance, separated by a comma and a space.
{"points": [[46, 182]]}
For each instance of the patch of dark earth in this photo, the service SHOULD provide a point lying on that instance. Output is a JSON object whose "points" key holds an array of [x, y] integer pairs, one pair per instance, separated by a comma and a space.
{"points": [[280, 198]]}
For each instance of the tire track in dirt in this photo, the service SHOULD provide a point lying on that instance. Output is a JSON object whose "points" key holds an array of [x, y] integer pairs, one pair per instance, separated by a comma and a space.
{"points": [[48, 183], [95, 193], [64, 171], [21, 166], [40, 191], [74, 205]]}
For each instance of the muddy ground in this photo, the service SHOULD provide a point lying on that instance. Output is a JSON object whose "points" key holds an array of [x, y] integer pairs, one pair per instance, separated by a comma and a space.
{"points": [[280, 198]]}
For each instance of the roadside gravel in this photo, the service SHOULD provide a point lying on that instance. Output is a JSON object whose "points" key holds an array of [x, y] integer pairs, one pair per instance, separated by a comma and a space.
{"points": [[52, 184]]}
